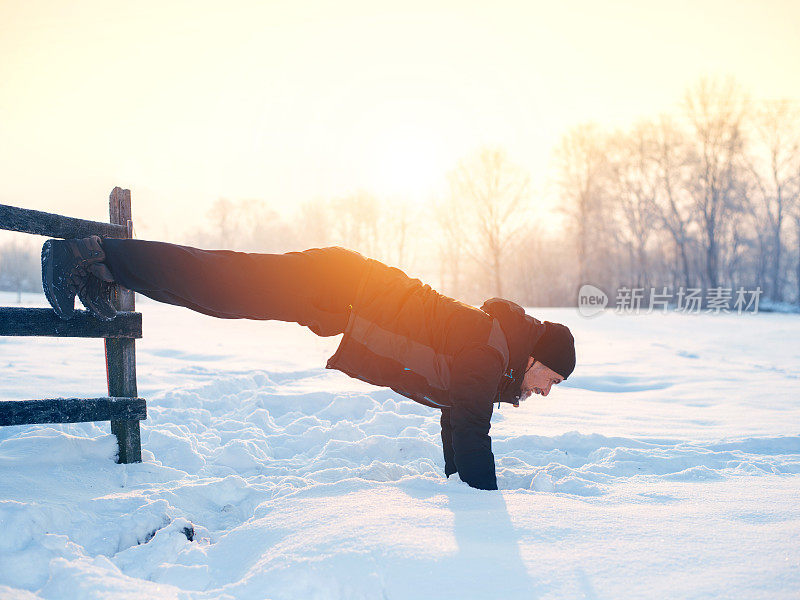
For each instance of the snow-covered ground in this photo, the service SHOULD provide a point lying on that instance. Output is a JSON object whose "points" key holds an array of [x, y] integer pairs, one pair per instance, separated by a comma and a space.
{"points": [[667, 466]]}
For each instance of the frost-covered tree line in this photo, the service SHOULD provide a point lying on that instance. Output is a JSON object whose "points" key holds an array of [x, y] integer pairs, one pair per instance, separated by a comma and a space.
{"points": [[19, 267], [705, 197], [463, 243]]}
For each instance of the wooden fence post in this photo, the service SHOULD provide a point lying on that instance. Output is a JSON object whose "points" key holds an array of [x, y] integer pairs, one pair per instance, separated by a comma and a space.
{"points": [[121, 353]]}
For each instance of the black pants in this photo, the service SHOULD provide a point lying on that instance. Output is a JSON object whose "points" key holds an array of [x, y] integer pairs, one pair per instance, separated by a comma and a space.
{"points": [[314, 288]]}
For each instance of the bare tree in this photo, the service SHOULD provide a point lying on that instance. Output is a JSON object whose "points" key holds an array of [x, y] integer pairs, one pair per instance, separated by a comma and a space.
{"points": [[797, 264], [245, 225], [19, 268], [796, 215], [716, 109], [223, 219], [492, 193], [581, 170], [447, 214], [774, 165], [396, 225], [362, 222], [633, 181], [546, 273], [355, 222], [673, 160], [313, 222]]}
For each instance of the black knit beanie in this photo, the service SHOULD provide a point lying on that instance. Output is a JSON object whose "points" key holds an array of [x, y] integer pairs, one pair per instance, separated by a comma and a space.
{"points": [[555, 349]]}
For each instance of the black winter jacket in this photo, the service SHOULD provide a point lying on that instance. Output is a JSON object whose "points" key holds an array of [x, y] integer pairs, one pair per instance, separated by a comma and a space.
{"points": [[442, 353]]}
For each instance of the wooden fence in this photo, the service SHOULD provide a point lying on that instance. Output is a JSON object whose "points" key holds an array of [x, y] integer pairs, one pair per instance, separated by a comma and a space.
{"points": [[121, 407]]}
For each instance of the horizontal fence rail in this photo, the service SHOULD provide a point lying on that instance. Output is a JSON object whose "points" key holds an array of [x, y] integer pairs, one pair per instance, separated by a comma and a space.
{"points": [[71, 410], [26, 220], [122, 407], [45, 322]]}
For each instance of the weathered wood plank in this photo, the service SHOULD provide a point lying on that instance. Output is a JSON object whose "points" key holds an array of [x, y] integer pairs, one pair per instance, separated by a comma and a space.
{"points": [[20, 321], [121, 353], [129, 441], [71, 410], [122, 408], [119, 209], [52, 225]]}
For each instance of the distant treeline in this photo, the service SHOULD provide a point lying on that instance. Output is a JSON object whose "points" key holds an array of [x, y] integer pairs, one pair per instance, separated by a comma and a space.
{"points": [[706, 197], [20, 266]]}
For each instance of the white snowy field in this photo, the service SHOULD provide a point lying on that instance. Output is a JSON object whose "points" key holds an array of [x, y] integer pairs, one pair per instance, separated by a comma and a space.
{"points": [[667, 466]]}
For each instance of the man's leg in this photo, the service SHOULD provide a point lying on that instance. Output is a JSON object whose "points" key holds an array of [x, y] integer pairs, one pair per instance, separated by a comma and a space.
{"points": [[313, 287]]}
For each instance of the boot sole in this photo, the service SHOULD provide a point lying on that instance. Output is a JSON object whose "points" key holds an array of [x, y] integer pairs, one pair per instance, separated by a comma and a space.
{"points": [[98, 313], [47, 277]]}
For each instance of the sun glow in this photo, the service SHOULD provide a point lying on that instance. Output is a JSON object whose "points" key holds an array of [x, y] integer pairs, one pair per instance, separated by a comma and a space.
{"points": [[409, 163], [292, 101]]}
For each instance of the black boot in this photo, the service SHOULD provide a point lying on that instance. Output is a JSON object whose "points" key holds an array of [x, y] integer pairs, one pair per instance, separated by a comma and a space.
{"points": [[76, 266]]}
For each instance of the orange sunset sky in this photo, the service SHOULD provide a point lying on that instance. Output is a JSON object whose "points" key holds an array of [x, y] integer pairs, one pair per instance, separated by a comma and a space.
{"points": [[186, 102]]}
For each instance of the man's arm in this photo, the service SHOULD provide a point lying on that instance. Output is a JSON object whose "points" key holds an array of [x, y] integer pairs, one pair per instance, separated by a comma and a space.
{"points": [[447, 443], [466, 423]]}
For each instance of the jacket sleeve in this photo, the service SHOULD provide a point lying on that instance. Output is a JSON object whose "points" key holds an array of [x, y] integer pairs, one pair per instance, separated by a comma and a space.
{"points": [[474, 381]]}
